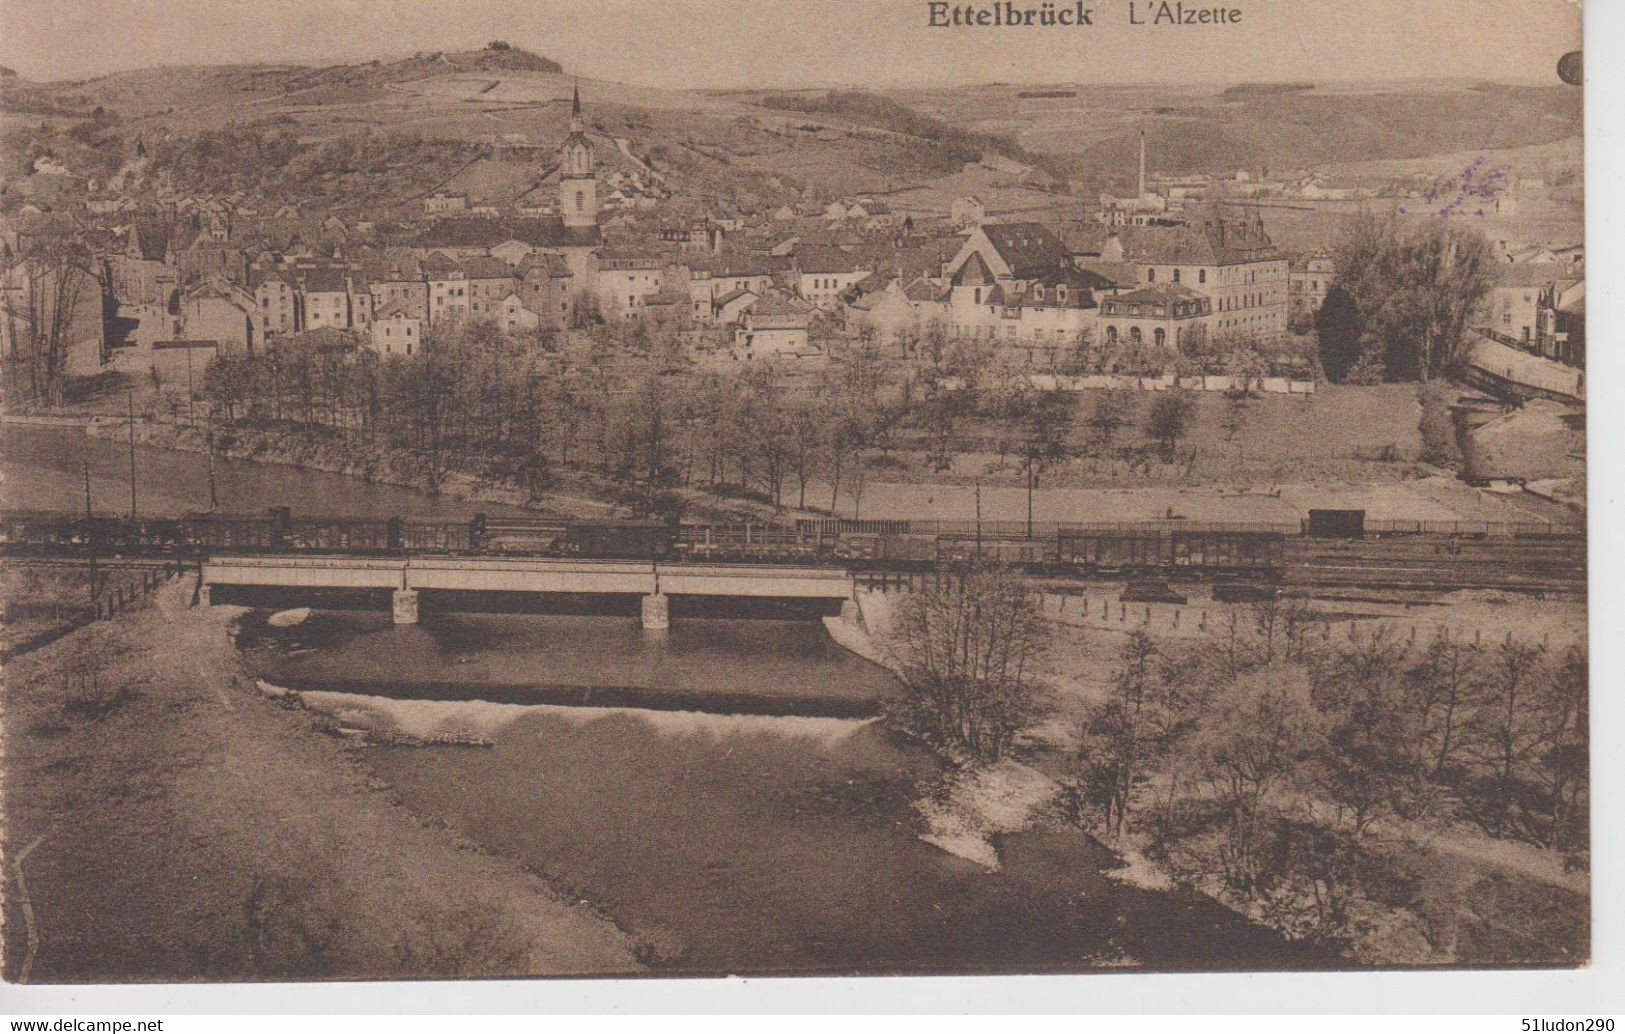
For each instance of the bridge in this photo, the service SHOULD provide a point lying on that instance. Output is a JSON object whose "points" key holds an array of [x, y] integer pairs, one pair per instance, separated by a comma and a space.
{"points": [[1501, 365], [404, 578]]}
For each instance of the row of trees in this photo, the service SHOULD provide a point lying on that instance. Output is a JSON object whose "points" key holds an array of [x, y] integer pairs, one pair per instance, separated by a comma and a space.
{"points": [[1228, 354], [1267, 759], [477, 400], [628, 406]]}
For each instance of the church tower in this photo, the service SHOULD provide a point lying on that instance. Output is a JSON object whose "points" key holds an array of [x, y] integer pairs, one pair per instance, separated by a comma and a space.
{"points": [[578, 189]]}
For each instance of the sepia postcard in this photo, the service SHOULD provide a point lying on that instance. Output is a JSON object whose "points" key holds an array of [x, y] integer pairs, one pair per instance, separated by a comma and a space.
{"points": [[797, 488]]}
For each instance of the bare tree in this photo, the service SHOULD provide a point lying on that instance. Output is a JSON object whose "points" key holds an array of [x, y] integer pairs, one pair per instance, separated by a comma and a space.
{"points": [[1108, 416], [1508, 732], [965, 650], [1124, 735], [45, 305]]}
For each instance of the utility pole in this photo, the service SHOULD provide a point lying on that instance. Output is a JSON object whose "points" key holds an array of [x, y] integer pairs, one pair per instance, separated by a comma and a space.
{"points": [[129, 394], [191, 414], [214, 502], [90, 534], [978, 520], [1032, 477]]}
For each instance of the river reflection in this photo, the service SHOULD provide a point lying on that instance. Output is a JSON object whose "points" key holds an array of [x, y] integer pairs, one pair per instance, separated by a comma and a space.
{"points": [[727, 665]]}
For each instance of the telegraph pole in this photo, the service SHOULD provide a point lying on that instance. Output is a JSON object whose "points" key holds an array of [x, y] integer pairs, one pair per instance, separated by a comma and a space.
{"points": [[90, 534], [129, 394], [978, 520], [214, 502]]}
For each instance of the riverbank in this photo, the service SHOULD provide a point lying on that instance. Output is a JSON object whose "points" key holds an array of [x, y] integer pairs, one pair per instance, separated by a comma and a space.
{"points": [[261, 454], [173, 823], [1474, 900], [576, 493]]}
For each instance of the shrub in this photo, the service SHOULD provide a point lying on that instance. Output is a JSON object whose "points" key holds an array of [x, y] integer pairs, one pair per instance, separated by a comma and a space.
{"points": [[1438, 427]]}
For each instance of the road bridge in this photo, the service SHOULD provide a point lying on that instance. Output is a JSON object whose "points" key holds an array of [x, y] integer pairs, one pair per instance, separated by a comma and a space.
{"points": [[404, 578]]}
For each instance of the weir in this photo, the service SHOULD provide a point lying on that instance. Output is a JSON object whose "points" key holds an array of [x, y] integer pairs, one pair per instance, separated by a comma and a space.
{"points": [[405, 578]]}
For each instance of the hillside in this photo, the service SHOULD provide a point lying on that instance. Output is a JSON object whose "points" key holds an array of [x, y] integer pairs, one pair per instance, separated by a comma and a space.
{"points": [[738, 145], [1283, 126]]}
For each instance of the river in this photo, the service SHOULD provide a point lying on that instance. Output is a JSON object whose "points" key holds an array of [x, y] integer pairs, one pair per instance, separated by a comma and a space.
{"points": [[595, 652], [786, 839], [42, 468], [726, 843]]}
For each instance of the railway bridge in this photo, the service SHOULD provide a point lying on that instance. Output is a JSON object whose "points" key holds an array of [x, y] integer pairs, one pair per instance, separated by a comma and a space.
{"points": [[405, 577]]}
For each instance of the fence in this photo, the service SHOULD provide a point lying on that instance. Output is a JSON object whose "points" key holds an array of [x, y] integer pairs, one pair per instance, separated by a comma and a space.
{"points": [[1128, 382], [1194, 382], [1005, 529], [1488, 529], [109, 603], [1213, 619]]}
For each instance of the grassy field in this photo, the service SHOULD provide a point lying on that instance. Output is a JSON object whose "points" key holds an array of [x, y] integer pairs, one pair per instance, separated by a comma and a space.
{"points": [[1356, 434], [167, 826], [1352, 435]]}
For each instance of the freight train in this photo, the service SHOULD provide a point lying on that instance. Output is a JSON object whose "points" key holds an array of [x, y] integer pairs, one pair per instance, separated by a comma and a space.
{"points": [[1171, 547], [859, 544]]}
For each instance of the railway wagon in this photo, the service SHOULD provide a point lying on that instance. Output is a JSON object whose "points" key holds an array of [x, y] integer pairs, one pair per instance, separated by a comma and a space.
{"points": [[332, 535], [432, 536], [215, 533], [620, 540], [1113, 551], [609, 540], [1130, 550], [1018, 552], [41, 534], [744, 542], [904, 549], [35, 533], [142, 536], [1256, 551]]}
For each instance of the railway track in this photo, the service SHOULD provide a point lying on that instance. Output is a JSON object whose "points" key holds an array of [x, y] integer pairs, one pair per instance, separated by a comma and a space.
{"points": [[1510, 557], [1449, 564]]}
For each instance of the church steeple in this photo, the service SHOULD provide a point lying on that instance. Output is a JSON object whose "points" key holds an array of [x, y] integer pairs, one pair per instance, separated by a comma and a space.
{"points": [[578, 187]]}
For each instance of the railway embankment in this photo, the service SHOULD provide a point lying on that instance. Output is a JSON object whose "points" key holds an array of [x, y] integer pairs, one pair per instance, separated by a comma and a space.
{"points": [[180, 825]]}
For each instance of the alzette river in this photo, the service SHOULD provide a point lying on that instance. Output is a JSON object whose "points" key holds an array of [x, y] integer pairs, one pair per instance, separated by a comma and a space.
{"points": [[42, 468]]}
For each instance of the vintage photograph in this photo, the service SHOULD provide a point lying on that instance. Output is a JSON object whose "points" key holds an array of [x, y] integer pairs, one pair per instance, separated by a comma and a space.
{"points": [[817, 488]]}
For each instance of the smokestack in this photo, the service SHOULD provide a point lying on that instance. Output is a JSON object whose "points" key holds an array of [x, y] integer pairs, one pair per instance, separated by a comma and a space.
{"points": [[1142, 163]]}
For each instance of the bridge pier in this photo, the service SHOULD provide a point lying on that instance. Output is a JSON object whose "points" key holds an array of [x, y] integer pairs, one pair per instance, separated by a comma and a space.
{"points": [[656, 611], [203, 595], [405, 606]]}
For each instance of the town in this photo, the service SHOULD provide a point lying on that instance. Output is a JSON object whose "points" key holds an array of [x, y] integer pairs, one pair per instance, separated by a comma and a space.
{"points": [[1180, 282]]}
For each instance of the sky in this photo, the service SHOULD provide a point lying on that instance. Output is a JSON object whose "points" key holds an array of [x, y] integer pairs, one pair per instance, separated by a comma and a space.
{"points": [[883, 43]]}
